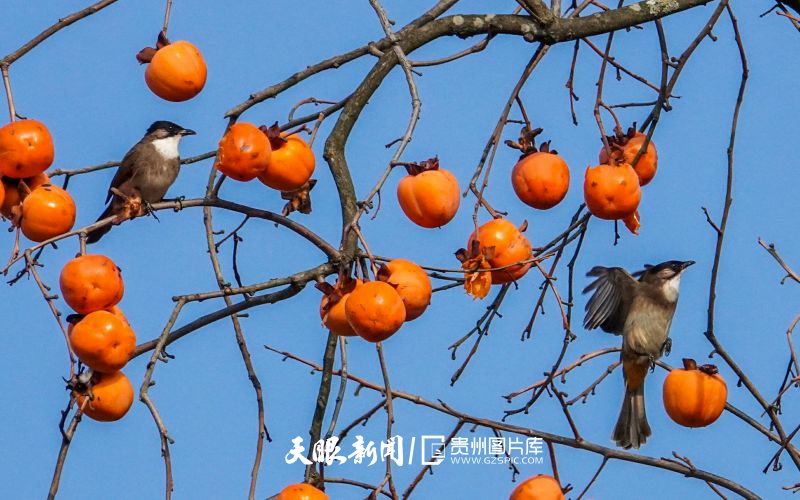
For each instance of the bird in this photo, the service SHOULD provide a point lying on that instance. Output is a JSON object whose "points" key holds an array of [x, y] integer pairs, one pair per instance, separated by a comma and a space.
{"points": [[640, 310], [144, 175]]}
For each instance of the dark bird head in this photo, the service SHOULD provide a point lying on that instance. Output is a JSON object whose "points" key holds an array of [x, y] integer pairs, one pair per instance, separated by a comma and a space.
{"points": [[165, 137], [163, 129], [667, 275]]}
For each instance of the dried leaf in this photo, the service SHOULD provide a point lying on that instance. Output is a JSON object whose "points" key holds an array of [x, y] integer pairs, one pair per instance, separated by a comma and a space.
{"points": [[477, 283], [299, 200]]}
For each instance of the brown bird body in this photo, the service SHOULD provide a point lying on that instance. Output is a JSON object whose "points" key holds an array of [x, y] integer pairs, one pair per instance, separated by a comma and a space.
{"points": [[641, 311], [144, 175]]}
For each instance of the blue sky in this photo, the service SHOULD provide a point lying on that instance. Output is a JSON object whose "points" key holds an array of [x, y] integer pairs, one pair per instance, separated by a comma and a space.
{"points": [[85, 84]]}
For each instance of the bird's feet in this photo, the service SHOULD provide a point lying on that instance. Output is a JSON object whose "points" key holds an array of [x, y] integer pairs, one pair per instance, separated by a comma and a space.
{"points": [[178, 200], [148, 209]]}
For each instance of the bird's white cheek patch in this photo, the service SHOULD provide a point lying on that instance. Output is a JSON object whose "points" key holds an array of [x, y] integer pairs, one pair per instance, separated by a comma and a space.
{"points": [[671, 288], [167, 147]]}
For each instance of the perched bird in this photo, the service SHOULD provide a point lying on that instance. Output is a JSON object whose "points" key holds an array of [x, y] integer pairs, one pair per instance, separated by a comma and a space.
{"points": [[144, 175], [641, 311]]}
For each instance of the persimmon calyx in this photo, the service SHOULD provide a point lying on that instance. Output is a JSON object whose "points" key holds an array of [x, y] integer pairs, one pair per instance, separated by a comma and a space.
{"points": [[274, 134], [336, 292], [527, 143], [383, 273], [146, 55], [299, 200], [708, 369], [617, 143], [418, 168], [622, 138], [325, 287]]}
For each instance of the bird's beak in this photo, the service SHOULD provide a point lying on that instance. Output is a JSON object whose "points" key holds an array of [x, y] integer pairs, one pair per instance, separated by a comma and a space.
{"points": [[188, 131], [687, 264]]}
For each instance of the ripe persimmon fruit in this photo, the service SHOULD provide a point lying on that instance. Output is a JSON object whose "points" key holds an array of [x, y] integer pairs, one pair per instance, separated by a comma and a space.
{"points": [[15, 193], [301, 491], [694, 396], [48, 211], [176, 71], [90, 283], [505, 245], [292, 161], [411, 282], [112, 397], [244, 152], [541, 179], [332, 306], [103, 341], [539, 487], [611, 191], [375, 311], [73, 319], [26, 149], [625, 147], [429, 195]]}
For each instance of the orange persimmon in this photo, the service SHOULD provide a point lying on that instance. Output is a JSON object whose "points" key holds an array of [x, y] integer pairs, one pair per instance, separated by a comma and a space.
{"points": [[611, 191], [244, 152], [74, 319], [47, 211], [112, 397], [90, 283], [176, 72], [291, 164], [509, 247], [103, 341], [15, 193], [26, 149], [624, 148], [301, 491], [411, 282], [541, 179], [375, 311], [694, 396], [332, 306], [429, 195], [539, 487]]}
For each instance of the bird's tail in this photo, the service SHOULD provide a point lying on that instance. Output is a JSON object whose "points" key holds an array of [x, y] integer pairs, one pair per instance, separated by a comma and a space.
{"points": [[632, 429], [95, 234]]}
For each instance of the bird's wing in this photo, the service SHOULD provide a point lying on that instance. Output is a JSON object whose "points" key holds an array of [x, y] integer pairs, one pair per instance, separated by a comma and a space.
{"points": [[608, 307], [125, 170]]}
